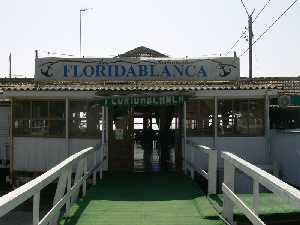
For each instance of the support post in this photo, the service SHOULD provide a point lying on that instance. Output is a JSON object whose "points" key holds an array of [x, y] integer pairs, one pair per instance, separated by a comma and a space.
{"points": [[69, 184], [212, 171], [67, 142], [229, 173], [84, 173], [60, 190], [250, 45], [255, 197], [184, 139], [36, 209], [215, 121], [77, 178]]}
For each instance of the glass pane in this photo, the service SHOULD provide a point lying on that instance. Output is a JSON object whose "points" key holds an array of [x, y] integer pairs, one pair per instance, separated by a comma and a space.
{"points": [[94, 119], [22, 127], [57, 128], [78, 115], [200, 116], [21, 109], [57, 110], [40, 110], [240, 117], [225, 117], [256, 117], [39, 127]]}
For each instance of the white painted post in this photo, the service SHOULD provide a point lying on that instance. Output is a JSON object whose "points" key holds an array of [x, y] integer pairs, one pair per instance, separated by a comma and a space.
{"points": [[84, 173], [212, 171], [67, 135], [95, 171], [192, 162], [36, 209], [256, 197], [184, 149], [228, 205], [60, 190], [78, 175], [69, 184], [215, 122]]}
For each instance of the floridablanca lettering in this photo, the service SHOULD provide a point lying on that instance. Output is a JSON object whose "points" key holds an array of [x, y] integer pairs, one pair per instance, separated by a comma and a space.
{"points": [[133, 71]]}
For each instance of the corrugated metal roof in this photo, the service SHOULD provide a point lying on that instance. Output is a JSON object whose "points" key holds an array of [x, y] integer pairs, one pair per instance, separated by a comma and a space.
{"points": [[284, 85]]}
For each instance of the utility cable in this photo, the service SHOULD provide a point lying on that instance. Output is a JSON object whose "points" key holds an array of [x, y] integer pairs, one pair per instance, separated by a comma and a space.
{"points": [[269, 28], [263, 8], [244, 32]]}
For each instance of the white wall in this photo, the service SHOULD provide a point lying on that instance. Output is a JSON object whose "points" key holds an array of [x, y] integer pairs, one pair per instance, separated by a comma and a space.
{"points": [[252, 149], [285, 148], [41, 154]]}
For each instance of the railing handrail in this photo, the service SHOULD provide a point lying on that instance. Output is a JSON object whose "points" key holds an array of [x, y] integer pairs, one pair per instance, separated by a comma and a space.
{"points": [[259, 176], [211, 174], [266, 179], [16, 197]]}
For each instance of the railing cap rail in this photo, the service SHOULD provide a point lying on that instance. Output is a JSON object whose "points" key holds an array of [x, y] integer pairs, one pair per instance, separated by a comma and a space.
{"points": [[21, 194], [271, 182], [203, 148]]}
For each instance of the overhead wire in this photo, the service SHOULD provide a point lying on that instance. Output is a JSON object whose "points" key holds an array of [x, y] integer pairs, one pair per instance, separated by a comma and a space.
{"points": [[270, 26], [244, 32], [263, 8]]}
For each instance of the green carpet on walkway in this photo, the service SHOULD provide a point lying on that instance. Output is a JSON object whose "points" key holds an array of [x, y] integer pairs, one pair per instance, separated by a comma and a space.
{"points": [[143, 199]]}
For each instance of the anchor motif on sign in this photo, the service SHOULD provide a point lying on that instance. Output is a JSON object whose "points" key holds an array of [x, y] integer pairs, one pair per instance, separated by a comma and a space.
{"points": [[225, 69], [46, 69]]}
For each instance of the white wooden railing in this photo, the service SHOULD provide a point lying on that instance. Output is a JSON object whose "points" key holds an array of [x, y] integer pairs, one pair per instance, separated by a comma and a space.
{"points": [[211, 174], [66, 192], [260, 177]]}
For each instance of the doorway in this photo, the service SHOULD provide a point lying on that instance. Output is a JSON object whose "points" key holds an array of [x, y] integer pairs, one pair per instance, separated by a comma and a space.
{"points": [[156, 134], [145, 138]]}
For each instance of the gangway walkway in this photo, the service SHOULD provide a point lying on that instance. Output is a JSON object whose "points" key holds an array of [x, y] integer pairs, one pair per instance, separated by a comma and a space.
{"points": [[143, 199]]}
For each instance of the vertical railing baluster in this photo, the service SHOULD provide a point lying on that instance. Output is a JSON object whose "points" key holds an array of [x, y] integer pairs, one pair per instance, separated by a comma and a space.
{"points": [[256, 197], [212, 171], [228, 205], [84, 173], [69, 184], [36, 209]]}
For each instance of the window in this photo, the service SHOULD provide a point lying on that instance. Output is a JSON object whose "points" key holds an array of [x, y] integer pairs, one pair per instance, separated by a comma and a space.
{"points": [[85, 119], [200, 118], [284, 118], [241, 117], [39, 118]]}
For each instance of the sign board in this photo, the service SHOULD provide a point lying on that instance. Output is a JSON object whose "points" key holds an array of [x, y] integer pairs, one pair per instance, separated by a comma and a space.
{"points": [[125, 69], [141, 101]]}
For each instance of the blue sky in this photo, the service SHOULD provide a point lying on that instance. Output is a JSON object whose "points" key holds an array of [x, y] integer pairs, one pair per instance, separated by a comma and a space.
{"points": [[193, 28]]}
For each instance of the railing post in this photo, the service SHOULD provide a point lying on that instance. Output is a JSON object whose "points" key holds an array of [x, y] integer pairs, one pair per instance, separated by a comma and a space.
{"points": [[95, 171], [78, 175], [84, 173], [192, 163], [256, 197], [229, 172], [60, 190], [69, 184], [36, 209], [212, 171]]}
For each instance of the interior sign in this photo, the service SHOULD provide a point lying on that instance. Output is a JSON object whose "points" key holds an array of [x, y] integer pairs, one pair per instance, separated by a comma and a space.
{"points": [[90, 69], [142, 101]]}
